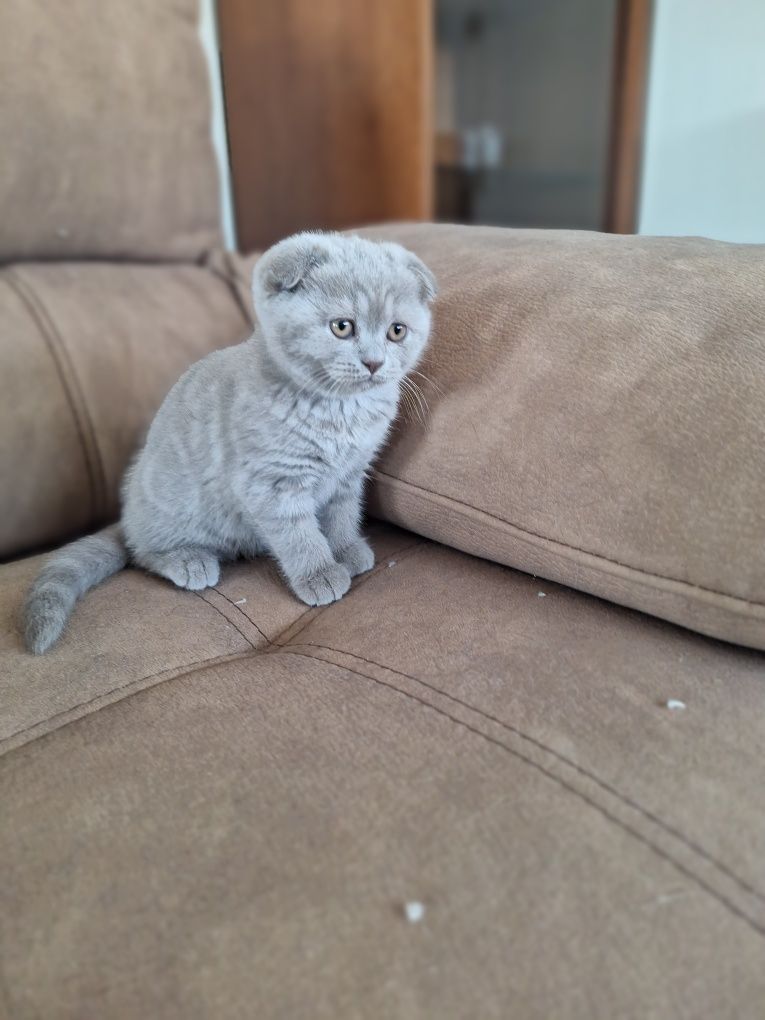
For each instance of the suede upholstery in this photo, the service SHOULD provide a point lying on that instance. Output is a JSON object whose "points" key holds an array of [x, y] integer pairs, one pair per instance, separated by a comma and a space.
{"points": [[88, 353], [105, 115], [216, 805], [219, 809], [599, 417]]}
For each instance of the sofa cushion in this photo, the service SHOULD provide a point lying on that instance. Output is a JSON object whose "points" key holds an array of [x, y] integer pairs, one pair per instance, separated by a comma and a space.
{"points": [[598, 417], [105, 121], [241, 839], [134, 631], [88, 352]]}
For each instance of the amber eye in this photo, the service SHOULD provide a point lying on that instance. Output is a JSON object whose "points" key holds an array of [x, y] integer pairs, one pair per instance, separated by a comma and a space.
{"points": [[397, 332], [342, 328]]}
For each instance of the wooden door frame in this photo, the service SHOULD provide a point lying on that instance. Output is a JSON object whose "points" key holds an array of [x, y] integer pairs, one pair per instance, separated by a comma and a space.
{"points": [[632, 44], [631, 49], [328, 111]]}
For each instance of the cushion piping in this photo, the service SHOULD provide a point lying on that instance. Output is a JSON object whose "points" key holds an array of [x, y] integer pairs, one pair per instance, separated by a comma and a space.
{"points": [[171, 673], [697, 880], [181, 673], [602, 783], [71, 386], [380, 476], [190, 667], [747, 613]]}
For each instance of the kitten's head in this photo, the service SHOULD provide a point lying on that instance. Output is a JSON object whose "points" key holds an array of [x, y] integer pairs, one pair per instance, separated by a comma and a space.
{"points": [[341, 314]]}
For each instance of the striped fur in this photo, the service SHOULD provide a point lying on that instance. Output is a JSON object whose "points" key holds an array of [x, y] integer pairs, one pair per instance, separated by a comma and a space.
{"points": [[263, 447]]}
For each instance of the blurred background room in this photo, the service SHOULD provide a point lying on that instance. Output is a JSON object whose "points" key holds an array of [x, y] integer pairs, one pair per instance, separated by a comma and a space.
{"points": [[615, 115]]}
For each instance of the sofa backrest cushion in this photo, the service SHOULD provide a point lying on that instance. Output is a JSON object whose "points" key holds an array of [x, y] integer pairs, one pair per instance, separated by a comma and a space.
{"points": [[105, 121], [599, 417], [88, 352]]}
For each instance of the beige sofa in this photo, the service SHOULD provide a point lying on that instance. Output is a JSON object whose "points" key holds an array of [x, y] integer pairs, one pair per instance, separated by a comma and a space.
{"points": [[218, 805]]}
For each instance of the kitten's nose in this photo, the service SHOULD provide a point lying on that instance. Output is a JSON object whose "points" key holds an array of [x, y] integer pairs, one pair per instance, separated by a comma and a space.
{"points": [[372, 366]]}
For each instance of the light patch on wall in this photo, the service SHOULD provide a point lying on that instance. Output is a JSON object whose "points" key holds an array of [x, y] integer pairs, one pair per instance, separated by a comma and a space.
{"points": [[704, 161], [209, 35]]}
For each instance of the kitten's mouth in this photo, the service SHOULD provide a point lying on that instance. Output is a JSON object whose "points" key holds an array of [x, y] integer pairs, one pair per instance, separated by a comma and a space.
{"points": [[362, 384]]}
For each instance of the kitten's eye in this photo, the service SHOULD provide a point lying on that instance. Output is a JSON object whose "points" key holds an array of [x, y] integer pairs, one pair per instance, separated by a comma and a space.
{"points": [[397, 332], [342, 328]]}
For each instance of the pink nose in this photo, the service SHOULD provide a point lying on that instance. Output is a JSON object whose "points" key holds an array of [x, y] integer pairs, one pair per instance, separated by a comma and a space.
{"points": [[372, 366]]}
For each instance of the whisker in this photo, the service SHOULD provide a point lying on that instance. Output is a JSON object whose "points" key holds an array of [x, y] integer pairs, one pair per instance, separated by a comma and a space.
{"points": [[406, 402], [411, 390], [416, 401], [427, 379], [412, 414], [418, 397], [334, 388], [421, 395], [317, 376]]}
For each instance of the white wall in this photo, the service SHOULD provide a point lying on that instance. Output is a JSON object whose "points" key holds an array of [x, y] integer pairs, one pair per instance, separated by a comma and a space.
{"points": [[704, 164], [209, 35]]}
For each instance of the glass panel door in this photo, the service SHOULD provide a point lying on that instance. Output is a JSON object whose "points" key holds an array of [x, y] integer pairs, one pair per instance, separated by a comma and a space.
{"points": [[523, 107]]}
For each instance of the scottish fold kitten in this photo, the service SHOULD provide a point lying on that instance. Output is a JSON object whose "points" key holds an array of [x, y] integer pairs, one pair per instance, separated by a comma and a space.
{"points": [[263, 447]]}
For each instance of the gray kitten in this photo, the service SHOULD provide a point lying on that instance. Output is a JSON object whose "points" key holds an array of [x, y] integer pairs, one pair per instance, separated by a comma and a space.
{"points": [[263, 447]]}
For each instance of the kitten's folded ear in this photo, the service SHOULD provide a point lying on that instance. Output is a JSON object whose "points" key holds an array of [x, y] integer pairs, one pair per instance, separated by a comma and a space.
{"points": [[425, 279], [287, 264]]}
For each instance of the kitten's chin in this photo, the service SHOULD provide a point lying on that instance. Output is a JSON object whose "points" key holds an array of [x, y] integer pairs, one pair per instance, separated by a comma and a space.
{"points": [[365, 385], [357, 387]]}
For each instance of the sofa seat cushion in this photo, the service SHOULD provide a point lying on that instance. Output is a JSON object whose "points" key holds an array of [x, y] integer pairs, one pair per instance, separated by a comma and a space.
{"points": [[241, 838], [597, 417], [134, 631], [107, 150], [88, 352]]}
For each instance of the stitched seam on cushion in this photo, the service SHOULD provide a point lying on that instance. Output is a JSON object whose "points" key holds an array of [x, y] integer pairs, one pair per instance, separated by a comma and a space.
{"points": [[239, 608], [636, 834], [317, 611], [229, 276], [274, 642], [191, 668], [71, 387], [573, 548], [624, 798], [624, 826], [228, 619], [187, 670]]}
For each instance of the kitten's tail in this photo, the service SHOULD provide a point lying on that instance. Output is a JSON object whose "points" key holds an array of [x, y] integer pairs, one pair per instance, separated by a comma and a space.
{"points": [[66, 576]]}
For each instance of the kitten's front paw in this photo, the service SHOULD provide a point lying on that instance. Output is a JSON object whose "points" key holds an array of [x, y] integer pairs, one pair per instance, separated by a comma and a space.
{"points": [[358, 557], [324, 586], [193, 569]]}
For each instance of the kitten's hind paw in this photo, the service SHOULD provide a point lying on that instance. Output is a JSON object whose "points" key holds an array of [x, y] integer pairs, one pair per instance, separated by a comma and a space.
{"points": [[323, 586], [357, 557]]}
